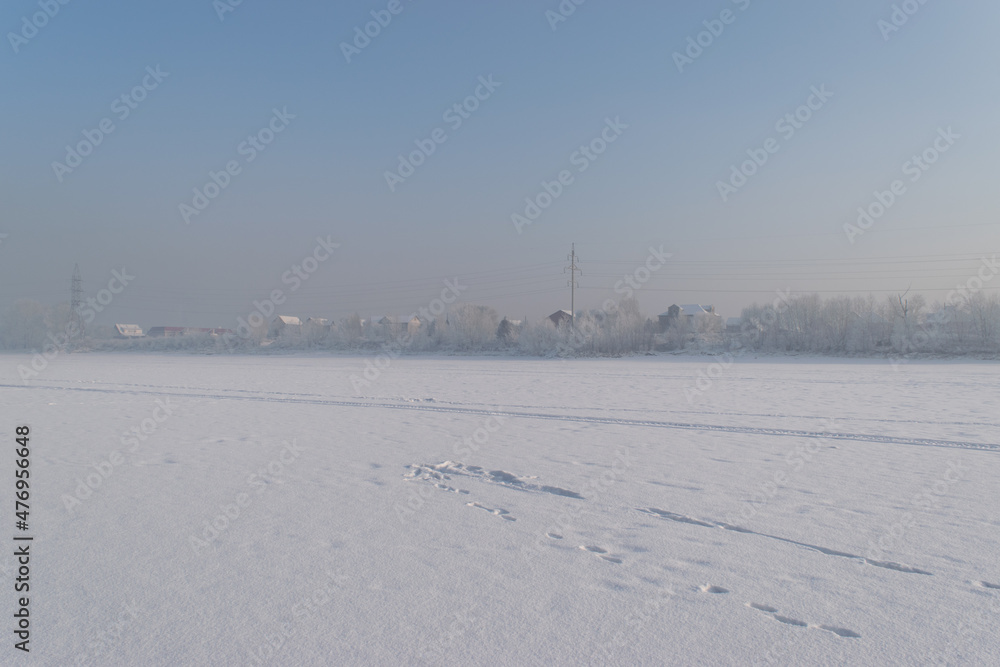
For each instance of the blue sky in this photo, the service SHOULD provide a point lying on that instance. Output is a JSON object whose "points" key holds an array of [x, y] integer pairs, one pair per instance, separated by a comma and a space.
{"points": [[656, 184]]}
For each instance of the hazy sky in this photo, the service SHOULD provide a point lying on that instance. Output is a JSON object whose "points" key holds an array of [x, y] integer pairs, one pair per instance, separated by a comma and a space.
{"points": [[555, 90]]}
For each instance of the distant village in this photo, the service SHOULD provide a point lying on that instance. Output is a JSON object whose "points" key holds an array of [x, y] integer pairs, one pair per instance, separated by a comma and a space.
{"points": [[900, 324], [314, 328]]}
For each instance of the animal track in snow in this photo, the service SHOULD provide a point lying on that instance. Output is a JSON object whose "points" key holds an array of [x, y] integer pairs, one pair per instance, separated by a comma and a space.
{"points": [[451, 489], [432, 477], [842, 632], [444, 471], [791, 621], [787, 620], [502, 513], [602, 553], [680, 518], [708, 588]]}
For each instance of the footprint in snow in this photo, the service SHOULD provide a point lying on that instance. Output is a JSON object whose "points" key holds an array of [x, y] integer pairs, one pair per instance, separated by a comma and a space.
{"points": [[707, 588], [842, 632], [445, 487], [791, 621], [602, 553], [502, 513], [986, 584]]}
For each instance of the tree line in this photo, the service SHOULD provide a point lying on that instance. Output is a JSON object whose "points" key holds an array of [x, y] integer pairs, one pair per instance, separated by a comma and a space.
{"points": [[800, 323]]}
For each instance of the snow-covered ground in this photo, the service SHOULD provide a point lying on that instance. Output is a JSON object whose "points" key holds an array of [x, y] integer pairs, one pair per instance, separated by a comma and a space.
{"points": [[499, 511]]}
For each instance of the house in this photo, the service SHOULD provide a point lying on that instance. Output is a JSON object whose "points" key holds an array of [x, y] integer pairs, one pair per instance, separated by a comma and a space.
{"points": [[561, 316], [414, 325], [318, 324], [734, 325], [670, 317], [167, 332], [688, 311], [317, 327], [128, 331], [285, 325], [693, 309]]}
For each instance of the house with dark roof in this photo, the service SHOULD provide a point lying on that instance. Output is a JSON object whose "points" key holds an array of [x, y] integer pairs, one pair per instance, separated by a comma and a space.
{"points": [[561, 317]]}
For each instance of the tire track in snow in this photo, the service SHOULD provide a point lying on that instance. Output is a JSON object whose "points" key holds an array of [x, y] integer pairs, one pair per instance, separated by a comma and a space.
{"points": [[406, 399], [686, 426]]}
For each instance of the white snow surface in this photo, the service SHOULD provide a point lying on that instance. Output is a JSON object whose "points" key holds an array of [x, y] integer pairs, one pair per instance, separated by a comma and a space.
{"points": [[493, 511]]}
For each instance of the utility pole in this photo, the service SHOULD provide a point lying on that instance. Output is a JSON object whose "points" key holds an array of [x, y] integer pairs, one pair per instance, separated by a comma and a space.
{"points": [[76, 300], [573, 269]]}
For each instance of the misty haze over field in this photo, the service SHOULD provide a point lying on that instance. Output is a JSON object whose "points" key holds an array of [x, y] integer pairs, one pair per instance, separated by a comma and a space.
{"points": [[835, 104]]}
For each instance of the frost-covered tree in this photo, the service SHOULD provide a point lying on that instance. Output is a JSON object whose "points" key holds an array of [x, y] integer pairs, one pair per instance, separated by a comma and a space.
{"points": [[472, 327]]}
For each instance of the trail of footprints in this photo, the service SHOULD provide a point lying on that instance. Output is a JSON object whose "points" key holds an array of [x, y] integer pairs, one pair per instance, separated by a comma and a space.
{"points": [[437, 475], [840, 632], [787, 620]]}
